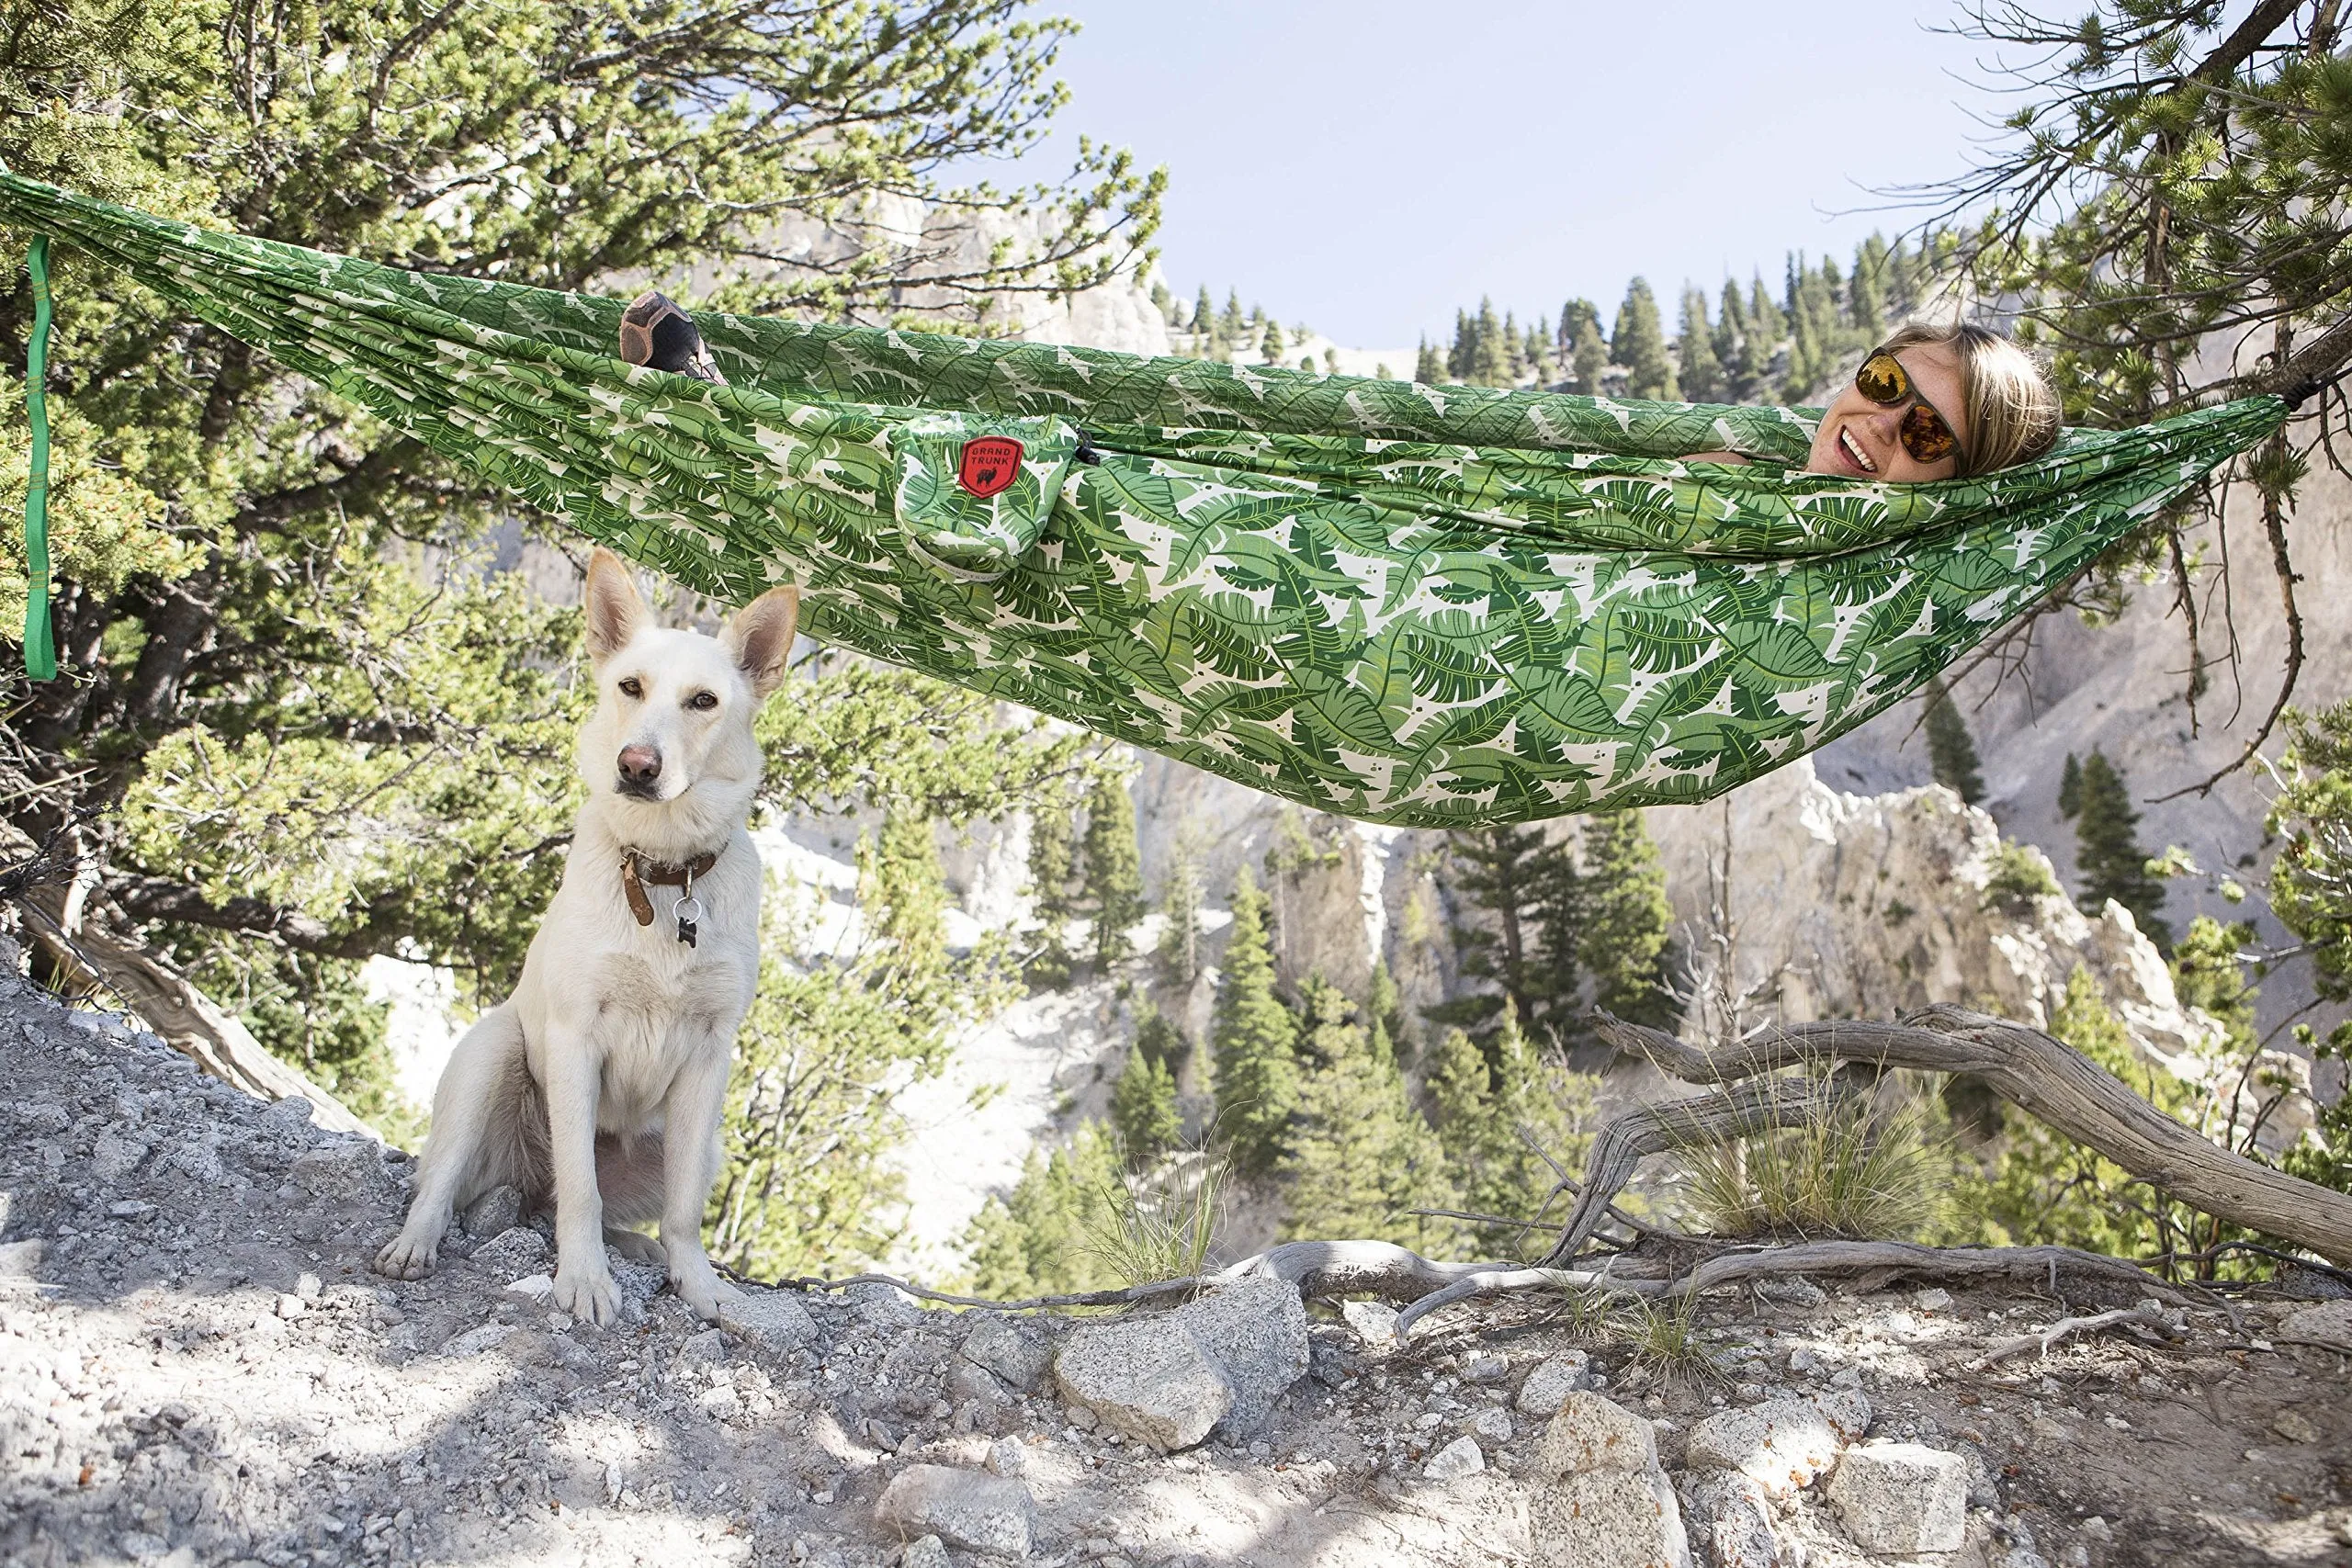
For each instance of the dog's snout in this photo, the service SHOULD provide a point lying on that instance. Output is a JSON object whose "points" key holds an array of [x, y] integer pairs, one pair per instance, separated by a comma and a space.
{"points": [[640, 765]]}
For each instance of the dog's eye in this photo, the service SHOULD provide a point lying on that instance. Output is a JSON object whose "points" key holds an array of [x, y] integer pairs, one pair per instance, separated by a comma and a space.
{"points": [[705, 701], [632, 687]]}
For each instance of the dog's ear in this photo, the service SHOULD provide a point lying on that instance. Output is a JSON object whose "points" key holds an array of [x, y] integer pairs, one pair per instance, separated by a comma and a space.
{"points": [[759, 637], [614, 610]]}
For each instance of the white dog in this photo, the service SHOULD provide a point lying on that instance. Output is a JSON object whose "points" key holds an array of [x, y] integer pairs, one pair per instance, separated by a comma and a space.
{"points": [[602, 1080]]}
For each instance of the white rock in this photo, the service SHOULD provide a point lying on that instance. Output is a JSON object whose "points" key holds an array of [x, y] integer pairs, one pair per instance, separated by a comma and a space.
{"points": [[1730, 1519], [1214, 1364], [969, 1509], [1008, 1349], [924, 1552], [539, 1287], [2328, 1325], [1374, 1323], [1782, 1444], [20, 1260], [1899, 1498], [1551, 1383], [1592, 1434], [1484, 1366], [1491, 1425], [474, 1341], [1008, 1456], [1609, 1519], [1933, 1298], [518, 1249], [1459, 1458], [1148, 1382], [771, 1322]]}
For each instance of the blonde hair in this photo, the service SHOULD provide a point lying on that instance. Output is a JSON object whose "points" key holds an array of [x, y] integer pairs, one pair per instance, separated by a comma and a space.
{"points": [[2012, 409]]}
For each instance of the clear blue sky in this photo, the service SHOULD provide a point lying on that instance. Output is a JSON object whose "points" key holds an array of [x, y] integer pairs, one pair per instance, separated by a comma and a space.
{"points": [[1368, 165]]}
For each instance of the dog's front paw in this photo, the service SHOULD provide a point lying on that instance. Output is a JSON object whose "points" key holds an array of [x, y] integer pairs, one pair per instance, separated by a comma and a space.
{"points": [[407, 1257], [699, 1286], [588, 1294]]}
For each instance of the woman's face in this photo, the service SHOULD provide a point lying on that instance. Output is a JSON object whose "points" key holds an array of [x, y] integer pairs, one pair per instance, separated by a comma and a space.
{"points": [[1858, 439]]}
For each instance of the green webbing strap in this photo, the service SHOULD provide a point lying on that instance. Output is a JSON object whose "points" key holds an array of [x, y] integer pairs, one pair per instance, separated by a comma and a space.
{"points": [[41, 652]]}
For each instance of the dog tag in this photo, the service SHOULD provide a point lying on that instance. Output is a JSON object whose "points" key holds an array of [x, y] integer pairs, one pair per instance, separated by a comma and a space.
{"points": [[688, 924]]}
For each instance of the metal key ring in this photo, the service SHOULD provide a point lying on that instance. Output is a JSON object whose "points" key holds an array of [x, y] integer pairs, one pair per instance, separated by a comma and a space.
{"points": [[678, 910]]}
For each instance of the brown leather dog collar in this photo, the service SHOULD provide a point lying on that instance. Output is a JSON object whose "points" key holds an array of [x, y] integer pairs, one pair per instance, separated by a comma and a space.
{"points": [[636, 871]]}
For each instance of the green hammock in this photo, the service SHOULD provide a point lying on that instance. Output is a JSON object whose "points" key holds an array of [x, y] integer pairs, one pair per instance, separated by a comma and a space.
{"points": [[1440, 607]]}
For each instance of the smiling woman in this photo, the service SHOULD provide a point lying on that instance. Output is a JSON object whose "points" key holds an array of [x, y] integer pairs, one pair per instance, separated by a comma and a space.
{"points": [[1933, 403]]}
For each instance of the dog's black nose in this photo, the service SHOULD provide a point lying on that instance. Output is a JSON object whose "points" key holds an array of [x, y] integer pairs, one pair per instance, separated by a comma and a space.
{"points": [[640, 765]]}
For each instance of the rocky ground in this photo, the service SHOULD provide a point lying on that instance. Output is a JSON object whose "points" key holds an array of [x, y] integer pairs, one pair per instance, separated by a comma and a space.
{"points": [[197, 1367]]}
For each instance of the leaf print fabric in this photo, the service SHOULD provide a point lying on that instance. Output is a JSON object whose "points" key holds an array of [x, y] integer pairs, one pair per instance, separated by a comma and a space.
{"points": [[1440, 606]]}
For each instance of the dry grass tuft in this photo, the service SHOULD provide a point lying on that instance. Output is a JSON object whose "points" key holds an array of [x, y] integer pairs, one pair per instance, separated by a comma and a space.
{"points": [[1844, 1170]]}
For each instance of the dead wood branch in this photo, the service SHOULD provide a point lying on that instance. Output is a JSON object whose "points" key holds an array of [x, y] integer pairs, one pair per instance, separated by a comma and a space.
{"points": [[1681, 1124], [2067, 1326], [1928, 1262], [2039, 1075]]}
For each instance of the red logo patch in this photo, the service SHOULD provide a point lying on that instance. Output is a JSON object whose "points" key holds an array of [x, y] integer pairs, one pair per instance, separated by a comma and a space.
{"points": [[991, 463]]}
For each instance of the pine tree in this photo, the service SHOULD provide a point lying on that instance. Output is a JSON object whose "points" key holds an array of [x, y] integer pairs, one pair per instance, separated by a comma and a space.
{"points": [[2070, 786], [1143, 1103], [1626, 918], [1271, 345], [1254, 1038], [1180, 904], [1765, 330], [1360, 1156], [1639, 344], [1113, 871], [1698, 372], [1230, 327], [1490, 362], [2108, 853], [1053, 866], [1036, 1239], [1427, 368], [1951, 754], [1730, 332], [1526, 886], [1204, 321], [1866, 294], [1480, 1111]]}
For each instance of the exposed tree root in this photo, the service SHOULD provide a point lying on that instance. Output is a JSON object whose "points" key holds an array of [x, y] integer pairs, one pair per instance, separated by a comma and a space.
{"points": [[2138, 1316], [2041, 1075]]}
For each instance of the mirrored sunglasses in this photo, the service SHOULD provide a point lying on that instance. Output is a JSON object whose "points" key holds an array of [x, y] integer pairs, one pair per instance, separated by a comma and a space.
{"points": [[1925, 433]]}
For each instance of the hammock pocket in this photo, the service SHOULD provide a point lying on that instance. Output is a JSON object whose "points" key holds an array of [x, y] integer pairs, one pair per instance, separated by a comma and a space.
{"points": [[1437, 606]]}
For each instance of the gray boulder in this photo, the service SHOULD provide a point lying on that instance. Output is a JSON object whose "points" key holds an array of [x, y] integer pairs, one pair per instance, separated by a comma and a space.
{"points": [[1217, 1364], [1782, 1444], [1149, 1382], [1012, 1350], [1601, 1499], [1459, 1458], [768, 1321], [1900, 1498], [1730, 1519], [1548, 1386], [969, 1509]]}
